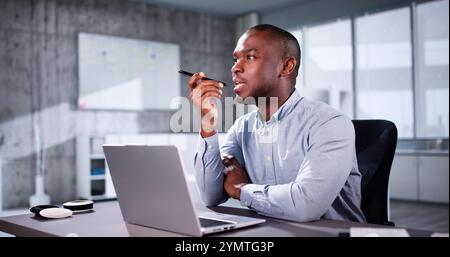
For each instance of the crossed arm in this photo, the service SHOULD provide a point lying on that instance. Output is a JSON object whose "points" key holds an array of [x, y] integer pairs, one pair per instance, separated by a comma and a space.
{"points": [[321, 176]]}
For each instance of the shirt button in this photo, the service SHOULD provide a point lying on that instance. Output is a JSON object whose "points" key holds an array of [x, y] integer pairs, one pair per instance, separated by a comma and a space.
{"points": [[268, 158], [209, 146]]}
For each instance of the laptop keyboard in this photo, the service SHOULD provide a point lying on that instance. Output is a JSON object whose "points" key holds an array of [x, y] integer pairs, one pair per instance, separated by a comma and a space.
{"points": [[211, 223]]}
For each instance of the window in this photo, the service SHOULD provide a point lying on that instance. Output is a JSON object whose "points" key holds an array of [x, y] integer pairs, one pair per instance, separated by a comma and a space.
{"points": [[432, 69], [400, 66], [328, 65], [384, 69]]}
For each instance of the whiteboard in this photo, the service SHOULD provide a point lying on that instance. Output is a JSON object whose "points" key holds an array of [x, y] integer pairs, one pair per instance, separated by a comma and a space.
{"points": [[126, 74]]}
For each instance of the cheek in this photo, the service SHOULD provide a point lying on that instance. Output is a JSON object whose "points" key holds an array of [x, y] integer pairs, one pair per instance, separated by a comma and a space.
{"points": [[263, 73], [267, 78]]}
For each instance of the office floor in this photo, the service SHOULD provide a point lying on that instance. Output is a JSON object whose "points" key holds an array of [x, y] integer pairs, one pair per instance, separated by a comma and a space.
{"points": [[420, 215]]}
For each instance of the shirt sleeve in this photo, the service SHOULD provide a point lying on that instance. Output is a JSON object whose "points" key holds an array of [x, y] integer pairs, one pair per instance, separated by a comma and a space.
{"points": [[231, 146], [322, 175], [209, 171]]}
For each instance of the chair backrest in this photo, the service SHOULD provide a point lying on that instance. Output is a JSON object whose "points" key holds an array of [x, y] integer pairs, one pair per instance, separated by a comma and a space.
{"points": [[376, 141]]}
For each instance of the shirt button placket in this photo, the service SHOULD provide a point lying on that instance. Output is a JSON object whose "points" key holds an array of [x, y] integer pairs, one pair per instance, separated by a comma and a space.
{"points": [[268, 164]]}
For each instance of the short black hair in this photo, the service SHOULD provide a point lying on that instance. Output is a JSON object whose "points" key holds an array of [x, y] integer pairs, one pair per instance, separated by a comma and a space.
{"points": [[289, 45]]}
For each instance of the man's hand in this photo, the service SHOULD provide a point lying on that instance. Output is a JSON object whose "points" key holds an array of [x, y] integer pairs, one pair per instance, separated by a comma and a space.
{"points": [[203, 94], [235, 178]]}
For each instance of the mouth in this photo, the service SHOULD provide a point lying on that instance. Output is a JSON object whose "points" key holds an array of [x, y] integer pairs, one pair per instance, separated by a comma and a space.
{"points": [[238, 88], [238, 85]]}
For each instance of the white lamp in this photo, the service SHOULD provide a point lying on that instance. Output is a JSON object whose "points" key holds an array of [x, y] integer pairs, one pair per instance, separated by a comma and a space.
{"points": [[39, 197]]}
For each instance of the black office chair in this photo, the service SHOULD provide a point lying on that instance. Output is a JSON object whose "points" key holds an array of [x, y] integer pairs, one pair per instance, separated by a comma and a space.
{"points": [[375, 148]]}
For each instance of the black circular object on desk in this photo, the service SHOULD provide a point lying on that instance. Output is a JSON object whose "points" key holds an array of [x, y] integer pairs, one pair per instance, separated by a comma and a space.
{"points": [[38, 208], [79, 205]]}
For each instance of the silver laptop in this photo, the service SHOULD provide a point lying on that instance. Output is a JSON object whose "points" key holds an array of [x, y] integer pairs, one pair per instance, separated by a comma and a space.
{"points": [[152, 191]]}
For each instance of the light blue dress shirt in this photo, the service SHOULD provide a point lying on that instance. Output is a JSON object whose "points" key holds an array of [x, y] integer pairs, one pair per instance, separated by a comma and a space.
{"points": [[301, 163]]}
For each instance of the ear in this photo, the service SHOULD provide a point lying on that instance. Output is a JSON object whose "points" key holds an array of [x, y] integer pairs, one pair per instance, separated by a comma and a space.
{"points": [[288, 66]]}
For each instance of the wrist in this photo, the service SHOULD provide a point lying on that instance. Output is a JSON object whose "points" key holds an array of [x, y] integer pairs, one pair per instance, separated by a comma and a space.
{"points": [[205, 134], [208, 122], [208, 128], [237, 190]]}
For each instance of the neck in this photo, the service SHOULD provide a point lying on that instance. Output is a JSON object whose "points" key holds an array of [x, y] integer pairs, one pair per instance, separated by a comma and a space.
{"points": [[269, 106]]}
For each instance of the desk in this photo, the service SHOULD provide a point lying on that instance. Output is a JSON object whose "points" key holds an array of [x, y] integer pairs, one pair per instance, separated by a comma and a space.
{"points": [[107, 220]]}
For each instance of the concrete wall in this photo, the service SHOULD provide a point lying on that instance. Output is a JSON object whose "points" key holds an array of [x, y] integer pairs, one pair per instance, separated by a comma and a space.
{"points": [[39, 81]]}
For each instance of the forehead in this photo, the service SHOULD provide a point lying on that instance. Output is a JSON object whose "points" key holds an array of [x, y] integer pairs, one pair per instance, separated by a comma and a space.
{"points": [[253, 41]]}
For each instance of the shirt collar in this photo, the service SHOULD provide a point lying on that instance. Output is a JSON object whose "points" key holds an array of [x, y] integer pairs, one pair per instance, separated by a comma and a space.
{"points": [[285, 109]]}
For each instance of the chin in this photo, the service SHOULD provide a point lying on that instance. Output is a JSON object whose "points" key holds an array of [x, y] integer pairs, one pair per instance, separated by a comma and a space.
{"points": [[239, 99], [245, 99]]}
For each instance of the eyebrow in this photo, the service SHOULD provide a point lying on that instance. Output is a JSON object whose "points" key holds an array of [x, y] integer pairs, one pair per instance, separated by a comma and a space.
{"points": [[246, 51]]}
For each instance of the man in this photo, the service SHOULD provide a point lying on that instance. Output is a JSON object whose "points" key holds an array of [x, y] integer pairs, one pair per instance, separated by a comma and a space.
{"points": [[296, 161]]}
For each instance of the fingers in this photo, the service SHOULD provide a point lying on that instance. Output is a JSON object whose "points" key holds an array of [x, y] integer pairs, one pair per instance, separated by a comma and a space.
{"points": [[226, 162], [203, 94], [227, 169], [227, 159], [204, 99], [234, 162], [211, 93], [205, 90], [230, 163], [196, 80], [196, 77], [209, 84]]}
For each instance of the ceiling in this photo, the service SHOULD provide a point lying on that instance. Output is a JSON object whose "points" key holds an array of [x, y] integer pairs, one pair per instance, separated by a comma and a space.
{"points": [[226, 8]]}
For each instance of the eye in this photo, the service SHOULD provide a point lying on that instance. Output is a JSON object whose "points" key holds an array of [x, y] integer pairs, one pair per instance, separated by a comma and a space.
{"points": [[234, 60], [250, 57]]}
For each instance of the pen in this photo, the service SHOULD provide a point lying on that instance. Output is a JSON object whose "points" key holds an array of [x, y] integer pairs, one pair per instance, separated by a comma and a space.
{"points": [[205, 78]]}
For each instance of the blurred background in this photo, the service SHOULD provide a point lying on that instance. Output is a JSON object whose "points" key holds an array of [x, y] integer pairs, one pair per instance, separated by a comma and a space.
{"points": [[75, 74]]}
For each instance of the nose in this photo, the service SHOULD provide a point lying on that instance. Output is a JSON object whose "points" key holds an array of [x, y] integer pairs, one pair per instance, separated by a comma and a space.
{"points": [[237, 67]]}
